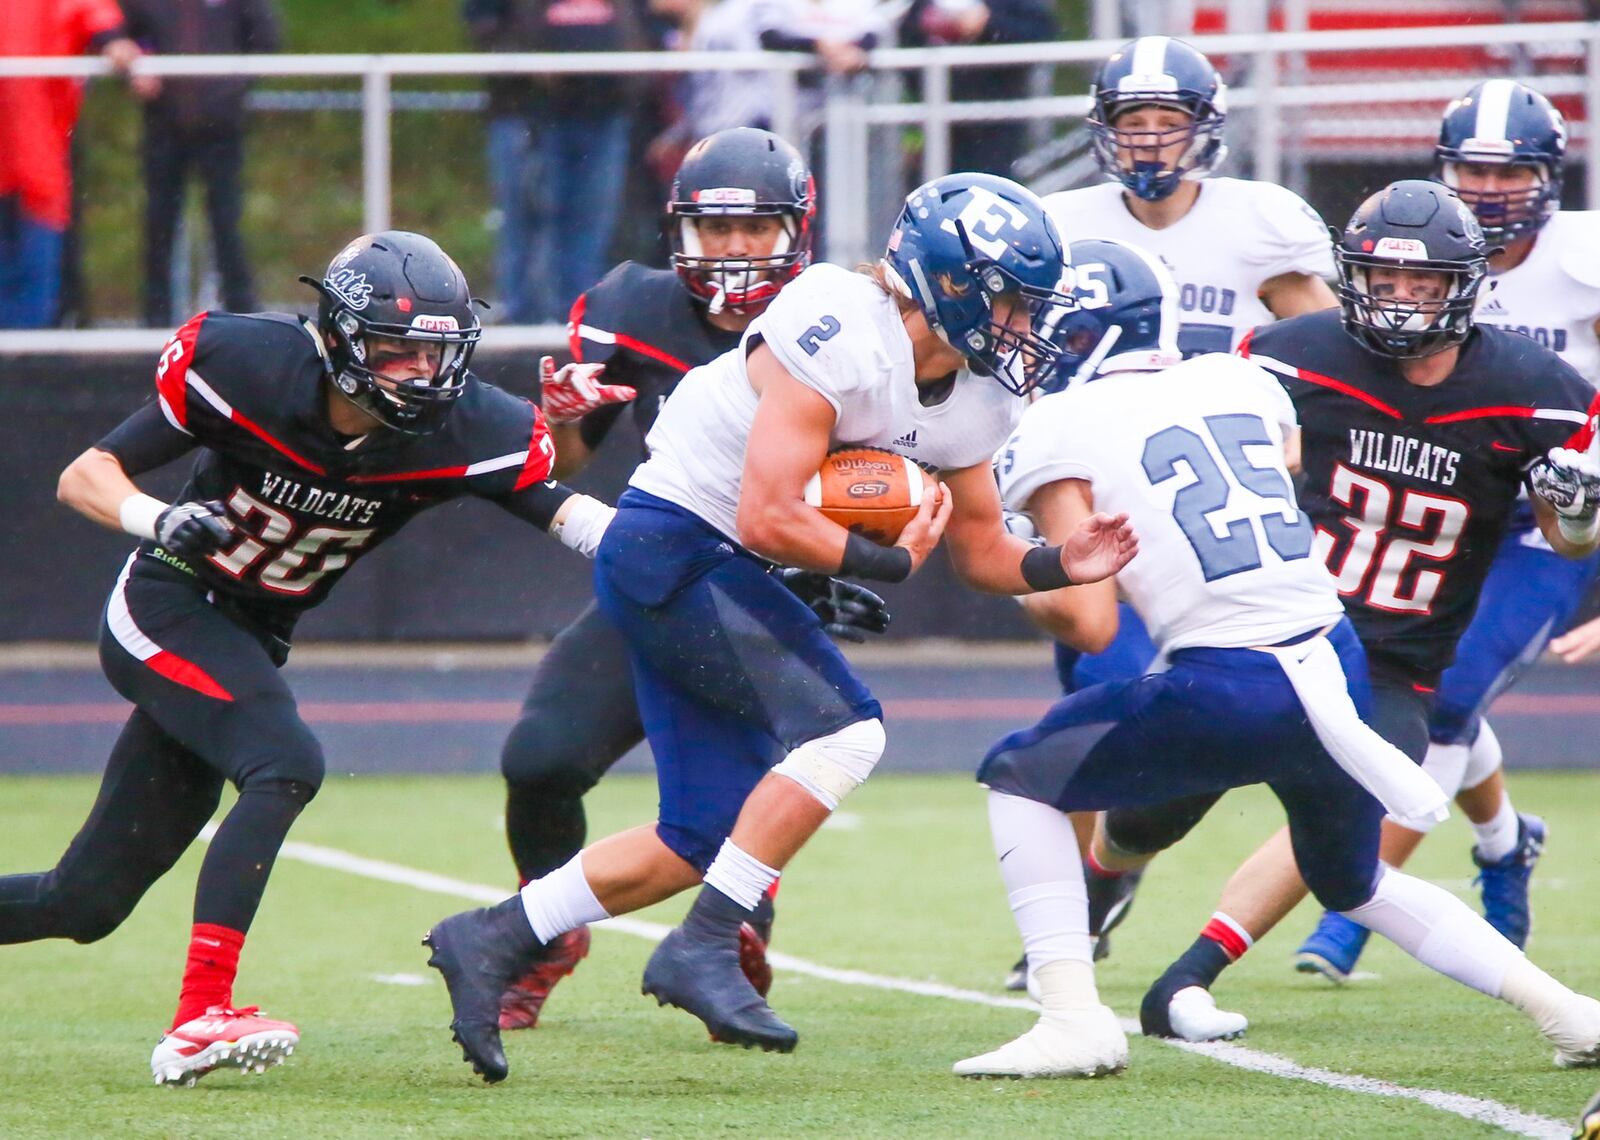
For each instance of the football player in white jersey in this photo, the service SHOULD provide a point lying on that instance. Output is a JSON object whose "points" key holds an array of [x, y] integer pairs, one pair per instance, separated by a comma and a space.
{"points": [[1244, 253], [1265, 682], [1500, 148], [929, 356]]}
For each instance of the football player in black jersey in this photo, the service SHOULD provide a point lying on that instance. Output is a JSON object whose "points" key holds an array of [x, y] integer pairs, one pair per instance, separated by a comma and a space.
{"points": [[1418, 427], [739, 220], [317, 440]]}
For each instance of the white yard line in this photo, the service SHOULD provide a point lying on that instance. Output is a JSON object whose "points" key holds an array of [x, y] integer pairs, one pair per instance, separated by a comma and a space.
{"points": [[1501, 1116]]}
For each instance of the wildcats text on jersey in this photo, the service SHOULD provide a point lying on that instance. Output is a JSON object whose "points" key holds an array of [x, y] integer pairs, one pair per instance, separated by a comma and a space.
{"points": [[341, 506], [1403, 454]]}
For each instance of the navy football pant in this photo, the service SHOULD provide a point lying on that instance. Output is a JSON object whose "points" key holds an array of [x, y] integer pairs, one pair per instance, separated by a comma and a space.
{"points": [[727, 663], [1399, 714], [1216, 719], [1530, 596], [210, 706]]}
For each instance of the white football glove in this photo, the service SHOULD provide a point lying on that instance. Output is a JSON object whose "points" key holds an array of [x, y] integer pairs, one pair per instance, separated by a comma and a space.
{"points": [[575, 391], [1021, 525], [1569, 481]]}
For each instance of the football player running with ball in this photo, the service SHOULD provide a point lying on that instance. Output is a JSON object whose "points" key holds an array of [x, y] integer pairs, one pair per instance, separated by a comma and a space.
{"points": [[739, 220], [1418, 428], [930, 356], [318, 439], [1266, 679], [1500, 148]]}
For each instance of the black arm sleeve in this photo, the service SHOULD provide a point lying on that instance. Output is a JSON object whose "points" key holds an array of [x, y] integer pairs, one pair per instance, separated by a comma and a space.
{"points": [[774, 40], [536, 503], [595, 426], [145, 441]]}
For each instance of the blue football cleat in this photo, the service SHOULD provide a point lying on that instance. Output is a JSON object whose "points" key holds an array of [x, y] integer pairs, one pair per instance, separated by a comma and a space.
{"points": [[1504, 882], [1333, 948], [702, 976]]}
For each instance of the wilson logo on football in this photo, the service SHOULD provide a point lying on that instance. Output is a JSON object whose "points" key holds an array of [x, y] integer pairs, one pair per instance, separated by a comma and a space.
{"points": [[855, 465], [868, 489]]}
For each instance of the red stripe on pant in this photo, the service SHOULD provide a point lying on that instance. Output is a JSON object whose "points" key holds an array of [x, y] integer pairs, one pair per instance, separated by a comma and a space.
{"points": [[187, 674]]}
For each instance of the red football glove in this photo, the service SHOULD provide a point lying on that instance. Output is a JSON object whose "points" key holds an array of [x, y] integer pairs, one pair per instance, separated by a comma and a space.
{"points": [[575, 391]]}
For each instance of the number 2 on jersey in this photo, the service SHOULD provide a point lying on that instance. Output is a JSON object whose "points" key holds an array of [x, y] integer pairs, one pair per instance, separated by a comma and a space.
{"points": [[1235, 550], [825, 329]]}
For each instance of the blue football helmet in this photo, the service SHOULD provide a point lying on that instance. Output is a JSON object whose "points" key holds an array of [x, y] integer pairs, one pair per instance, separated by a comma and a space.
{"points": [[1123, 314], [964, 242], [1503, 123], [1411, 224], [1162, 72]]}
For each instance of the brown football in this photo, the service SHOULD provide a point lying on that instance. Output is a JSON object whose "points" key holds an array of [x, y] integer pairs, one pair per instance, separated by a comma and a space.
{"points": [[872, 492]]}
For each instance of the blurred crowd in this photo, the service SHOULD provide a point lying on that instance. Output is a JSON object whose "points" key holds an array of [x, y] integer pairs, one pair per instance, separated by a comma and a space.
{"points": [[563, 153]]}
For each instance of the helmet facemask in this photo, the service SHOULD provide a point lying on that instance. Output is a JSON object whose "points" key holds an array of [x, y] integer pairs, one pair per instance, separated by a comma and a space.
{"points": [[1407, 328], [1506, 215], [415, 405], [1150, 179], [738, 284]]}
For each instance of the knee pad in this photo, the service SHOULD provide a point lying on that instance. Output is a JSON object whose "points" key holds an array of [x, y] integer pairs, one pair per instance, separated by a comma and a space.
{"points": [[831, 767], [85, 915], [296, 792], [1484, 758], [1447, 764]]}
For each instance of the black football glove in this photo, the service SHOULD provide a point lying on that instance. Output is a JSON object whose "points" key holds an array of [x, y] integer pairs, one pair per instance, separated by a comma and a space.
{"points": [[848, 611], [193, 530]]}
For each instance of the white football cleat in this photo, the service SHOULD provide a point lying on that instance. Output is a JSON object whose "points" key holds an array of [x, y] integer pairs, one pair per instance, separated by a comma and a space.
{"points": [[221, 1038], [1080, 1043], [1577, 1036], [1194, 1016]]}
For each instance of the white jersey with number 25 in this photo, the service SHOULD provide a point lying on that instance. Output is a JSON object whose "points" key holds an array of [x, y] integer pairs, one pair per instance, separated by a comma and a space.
{"points": [[1194, 455]]}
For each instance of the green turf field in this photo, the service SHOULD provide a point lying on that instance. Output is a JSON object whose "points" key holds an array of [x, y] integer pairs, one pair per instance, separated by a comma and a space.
{"points": [[908, 889]]}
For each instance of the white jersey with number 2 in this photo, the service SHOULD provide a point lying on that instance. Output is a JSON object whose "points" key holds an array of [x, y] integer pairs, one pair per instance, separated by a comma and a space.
{"points": [[1194, 455], [842, 336]]}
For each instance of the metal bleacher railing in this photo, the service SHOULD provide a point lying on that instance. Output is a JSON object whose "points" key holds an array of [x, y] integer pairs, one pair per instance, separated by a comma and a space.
{"points": [[1272, 89]]}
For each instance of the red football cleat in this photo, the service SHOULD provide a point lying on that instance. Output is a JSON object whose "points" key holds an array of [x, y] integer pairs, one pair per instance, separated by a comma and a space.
{"points": [[524, 998], [753, 959], [221, 1038]]}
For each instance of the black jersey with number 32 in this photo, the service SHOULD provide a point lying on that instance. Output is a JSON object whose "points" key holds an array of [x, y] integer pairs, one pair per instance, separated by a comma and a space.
{"points": [[1411, 488], [647, 330], [250, 392]]}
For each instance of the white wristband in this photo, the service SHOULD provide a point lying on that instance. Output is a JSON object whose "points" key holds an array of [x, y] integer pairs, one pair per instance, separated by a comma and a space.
{"points": [[586, 521], [1579, 533], [138, 514]]}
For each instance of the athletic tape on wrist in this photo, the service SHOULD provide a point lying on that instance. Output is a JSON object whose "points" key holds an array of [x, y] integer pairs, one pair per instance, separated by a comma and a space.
{"points": [[864, 558], [138, 514], [1579, 532], [585, 524], [1042, 569]]}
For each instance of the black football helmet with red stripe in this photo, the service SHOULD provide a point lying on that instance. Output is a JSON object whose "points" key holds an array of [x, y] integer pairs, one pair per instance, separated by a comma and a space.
{"points": [[1412, 225], [397, 294], [741, 172]]}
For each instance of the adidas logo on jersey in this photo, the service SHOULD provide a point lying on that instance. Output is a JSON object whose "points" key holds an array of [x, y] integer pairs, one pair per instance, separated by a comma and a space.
{"points": [[907, 440], [1492, 308]]}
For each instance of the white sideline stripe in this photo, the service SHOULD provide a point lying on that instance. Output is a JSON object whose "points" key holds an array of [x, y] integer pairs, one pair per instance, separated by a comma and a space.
{"points": [[1490, 1112]]}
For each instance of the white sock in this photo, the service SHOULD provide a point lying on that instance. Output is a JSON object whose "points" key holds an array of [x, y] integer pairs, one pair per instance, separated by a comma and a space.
{"points": [[1064, 986], [1498, 837], [1536, 994], [1438, 930], [740, 875], [1038, 853], [561, 901]]}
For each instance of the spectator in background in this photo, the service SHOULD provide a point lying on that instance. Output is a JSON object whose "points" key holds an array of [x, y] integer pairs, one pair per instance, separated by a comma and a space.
{"points": [[710, 101], [839, 32], [196, 124], [990, 147], [36, 120], [558, 148]]}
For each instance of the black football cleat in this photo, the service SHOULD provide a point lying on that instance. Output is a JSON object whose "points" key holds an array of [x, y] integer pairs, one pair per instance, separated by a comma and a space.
{"points": [[702, 976], [1110, 900], [480, 953]]}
